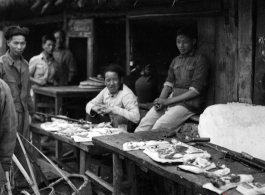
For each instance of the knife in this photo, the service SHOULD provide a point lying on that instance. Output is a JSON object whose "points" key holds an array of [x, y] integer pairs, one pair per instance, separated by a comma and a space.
{"points": [[196, 139]]}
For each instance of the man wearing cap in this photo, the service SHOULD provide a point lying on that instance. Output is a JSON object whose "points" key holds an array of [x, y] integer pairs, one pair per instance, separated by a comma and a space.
{"points": [[14, 70]]}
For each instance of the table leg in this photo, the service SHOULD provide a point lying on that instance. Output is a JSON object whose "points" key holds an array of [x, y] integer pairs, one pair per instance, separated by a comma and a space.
{"points": [[82, 162], [58, 105], [58, 149], [117, 174], [35, 101], [131, 176], [36, 141]]}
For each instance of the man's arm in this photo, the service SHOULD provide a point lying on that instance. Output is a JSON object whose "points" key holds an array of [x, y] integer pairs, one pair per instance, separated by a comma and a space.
{"points": [[8, 126], [131, 109], [94, 106]]}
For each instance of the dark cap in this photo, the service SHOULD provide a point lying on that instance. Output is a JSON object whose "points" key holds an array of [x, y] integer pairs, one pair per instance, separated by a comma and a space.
{"points": [[16, 30]]}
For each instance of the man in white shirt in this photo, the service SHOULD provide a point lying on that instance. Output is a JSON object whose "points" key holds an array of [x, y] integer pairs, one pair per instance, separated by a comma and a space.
{"points": [[43, 67], [115, 103]]}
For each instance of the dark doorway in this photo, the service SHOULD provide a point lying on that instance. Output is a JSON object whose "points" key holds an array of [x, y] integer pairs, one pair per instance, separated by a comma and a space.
{"points": [[78, 46], [109, 46], [34, 43]]}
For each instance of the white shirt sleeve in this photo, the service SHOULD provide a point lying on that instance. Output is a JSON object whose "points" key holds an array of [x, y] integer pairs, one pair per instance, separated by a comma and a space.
{"points": [[96, 101], [130, 110]]}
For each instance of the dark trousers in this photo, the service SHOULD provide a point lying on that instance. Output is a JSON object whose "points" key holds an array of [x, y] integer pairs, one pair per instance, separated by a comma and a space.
{"points": [[116, 120]]}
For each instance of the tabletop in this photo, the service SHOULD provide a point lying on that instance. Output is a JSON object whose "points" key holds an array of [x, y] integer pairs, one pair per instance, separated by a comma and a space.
{"points": [[36, 128], [64, 90], [114, 144]]}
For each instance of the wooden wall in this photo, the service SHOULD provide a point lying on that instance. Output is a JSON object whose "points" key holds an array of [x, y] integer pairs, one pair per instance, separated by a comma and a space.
{"points": [[259, 75]]}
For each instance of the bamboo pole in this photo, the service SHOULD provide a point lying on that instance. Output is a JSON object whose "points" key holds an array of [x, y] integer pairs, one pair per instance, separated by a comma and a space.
{"points": [[28, 162], [8, 186], [30, 182], [59, 171]]}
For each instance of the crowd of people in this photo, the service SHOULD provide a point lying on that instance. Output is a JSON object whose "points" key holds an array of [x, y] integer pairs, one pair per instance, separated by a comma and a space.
{"points": [[180, 98]]}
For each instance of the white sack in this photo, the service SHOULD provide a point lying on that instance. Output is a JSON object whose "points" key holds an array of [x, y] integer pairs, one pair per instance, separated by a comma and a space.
{"points": [[236, 126]]}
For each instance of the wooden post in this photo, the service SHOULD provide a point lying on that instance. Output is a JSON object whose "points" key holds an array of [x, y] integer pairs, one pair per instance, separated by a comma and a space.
{"points": [[259, 74], [245, 45], [206, 45], [90, 51], [226, 55], [117, 174], [128, 46]]}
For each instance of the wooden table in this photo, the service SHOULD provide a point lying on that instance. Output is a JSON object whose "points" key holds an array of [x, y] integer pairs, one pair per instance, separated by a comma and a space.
{"points": [[59, 93], [178, 177], [86, 149]]}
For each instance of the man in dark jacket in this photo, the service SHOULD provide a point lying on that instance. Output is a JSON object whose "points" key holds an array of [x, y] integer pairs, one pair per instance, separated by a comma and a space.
{"points": [[8, 129], [14, 70]]}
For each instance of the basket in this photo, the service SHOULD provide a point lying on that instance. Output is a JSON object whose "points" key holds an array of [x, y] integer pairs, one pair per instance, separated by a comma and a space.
{"points": [[46, 191], [81, 182]]}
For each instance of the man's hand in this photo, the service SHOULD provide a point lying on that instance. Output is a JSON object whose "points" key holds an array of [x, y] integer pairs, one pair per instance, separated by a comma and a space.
{"points": [[34, 118], [160, 103], [108, 110], [41, 82], [99, 109]]}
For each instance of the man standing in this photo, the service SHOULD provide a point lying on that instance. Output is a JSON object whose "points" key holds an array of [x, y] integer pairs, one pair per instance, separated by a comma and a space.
{"points": [[14, 70], [184, 88], [43, 67], [8, 129], [65, 59]]}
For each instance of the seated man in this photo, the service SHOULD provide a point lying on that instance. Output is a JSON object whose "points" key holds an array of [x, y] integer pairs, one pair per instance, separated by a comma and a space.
{"points": [[43, 67], [184, 88], [115, 103]]}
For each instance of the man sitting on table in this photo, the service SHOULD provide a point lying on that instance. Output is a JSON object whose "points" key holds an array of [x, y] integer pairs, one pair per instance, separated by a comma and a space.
{"points": [[115, 103], [43, 67], [184, 88]]}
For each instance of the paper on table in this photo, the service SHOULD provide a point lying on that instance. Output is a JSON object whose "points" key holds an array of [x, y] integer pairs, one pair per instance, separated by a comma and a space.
{"points": [[81, 139], [128, 146], [243, 178], [251, 188]]}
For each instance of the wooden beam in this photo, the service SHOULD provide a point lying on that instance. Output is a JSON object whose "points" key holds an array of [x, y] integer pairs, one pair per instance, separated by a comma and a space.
{"points": [[151, 15], [245, 52], [37, 20]]}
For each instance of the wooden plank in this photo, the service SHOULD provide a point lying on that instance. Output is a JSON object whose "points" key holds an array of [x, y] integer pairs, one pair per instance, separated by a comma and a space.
{"points": [[259, 74], [36, 20], [206, 44], [62, 164], [64, 90], [47, 166], [114, 143], [245, 43]]}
